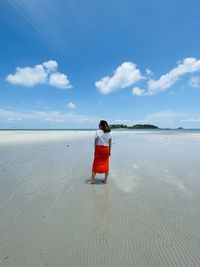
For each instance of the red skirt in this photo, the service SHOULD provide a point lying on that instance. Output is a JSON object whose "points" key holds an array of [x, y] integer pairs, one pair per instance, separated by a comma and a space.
{"points": [[101, 159]]}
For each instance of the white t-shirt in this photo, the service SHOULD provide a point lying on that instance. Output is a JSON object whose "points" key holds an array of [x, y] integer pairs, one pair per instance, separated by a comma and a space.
{"points": [[103, 138]]}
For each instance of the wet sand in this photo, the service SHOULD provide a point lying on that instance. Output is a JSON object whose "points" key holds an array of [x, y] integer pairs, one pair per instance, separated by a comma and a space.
{"points": [[147, 215]]}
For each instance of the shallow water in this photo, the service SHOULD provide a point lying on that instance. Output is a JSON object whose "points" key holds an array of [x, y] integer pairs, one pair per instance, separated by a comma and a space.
{"points": [[147, 215]]}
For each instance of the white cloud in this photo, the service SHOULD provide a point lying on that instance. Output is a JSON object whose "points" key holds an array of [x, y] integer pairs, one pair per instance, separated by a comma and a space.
{"points": [[125, 75], [194, 82], [59, 80], [71, 105], [123, 121], [42, 116], [50, 65], [166, 115], [188, 65], [191, 119], [14, 119], [44, 73], [148, 72], [164, 118], [138, 91], [28, 76]]}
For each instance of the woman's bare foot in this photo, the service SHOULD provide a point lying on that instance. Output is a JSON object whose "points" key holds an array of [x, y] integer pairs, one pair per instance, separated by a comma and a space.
{"points": [[90, 182]]}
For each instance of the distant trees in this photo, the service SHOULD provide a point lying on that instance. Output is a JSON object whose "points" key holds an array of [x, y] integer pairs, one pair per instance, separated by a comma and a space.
{"points": [[113, 126], [135, 126], [143, 126]]}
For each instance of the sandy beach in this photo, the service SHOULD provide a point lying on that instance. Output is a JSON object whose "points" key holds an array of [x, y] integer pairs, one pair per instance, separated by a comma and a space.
{"points": [[147, 215]]}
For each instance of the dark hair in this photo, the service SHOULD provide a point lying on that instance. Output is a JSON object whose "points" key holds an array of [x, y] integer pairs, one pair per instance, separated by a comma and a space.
{"points": [[104, 126]]}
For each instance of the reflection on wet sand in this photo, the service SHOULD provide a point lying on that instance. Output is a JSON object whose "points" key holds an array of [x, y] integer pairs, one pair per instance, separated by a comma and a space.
{"points": [[101, 200]]}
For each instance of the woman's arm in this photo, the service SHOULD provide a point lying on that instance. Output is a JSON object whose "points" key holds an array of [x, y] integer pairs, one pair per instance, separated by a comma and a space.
{"points": [[110, 145], [95, 143]]}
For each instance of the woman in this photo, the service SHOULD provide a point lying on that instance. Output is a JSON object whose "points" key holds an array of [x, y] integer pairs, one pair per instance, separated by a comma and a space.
{"points": [[102, 148]]}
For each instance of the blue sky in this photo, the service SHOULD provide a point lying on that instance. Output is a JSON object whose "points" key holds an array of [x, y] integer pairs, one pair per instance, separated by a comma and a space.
{"points": [[68, 64]]}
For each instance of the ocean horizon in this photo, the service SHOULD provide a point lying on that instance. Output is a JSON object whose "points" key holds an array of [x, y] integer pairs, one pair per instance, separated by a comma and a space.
{"points": [[93, 129]]}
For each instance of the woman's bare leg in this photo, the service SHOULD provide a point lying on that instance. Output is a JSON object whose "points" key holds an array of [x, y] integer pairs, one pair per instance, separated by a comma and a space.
{"points": [[92, 179], [93, 176], [106, 177]]}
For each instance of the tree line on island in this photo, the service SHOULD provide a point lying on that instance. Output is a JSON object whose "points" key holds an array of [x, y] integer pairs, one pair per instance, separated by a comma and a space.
{"points": [[135, 126], [139, 126]]}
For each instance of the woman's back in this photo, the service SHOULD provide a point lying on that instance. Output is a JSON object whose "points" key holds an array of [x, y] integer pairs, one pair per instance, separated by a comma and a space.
{"points": [[103, 138]]}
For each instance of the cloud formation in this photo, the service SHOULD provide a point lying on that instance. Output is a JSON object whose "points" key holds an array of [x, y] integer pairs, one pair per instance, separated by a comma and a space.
{"points": [[194, 82], [28, 76], [125, 75], [14, 115], [71, 105], [50, 65], [187, 66], [59, 80], [45, 73], [166, 115], [148, 72], [138, 91], [172, 118]]}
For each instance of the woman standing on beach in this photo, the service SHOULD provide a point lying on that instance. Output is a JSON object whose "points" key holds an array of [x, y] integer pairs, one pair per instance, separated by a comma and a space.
{"points": [[102, 148]]}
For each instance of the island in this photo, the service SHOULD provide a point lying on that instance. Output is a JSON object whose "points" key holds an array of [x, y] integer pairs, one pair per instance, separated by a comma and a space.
{"points": [[135, 126], [180, 128]]}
